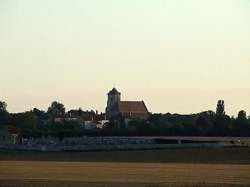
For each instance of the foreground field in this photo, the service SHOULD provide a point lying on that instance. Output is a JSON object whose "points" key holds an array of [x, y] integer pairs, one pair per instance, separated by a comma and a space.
{"points": [[47, 173], [214, 167]]}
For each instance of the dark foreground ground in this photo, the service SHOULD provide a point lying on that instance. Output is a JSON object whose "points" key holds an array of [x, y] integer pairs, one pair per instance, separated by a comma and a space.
{"points": [[219, 167], [111, 184], [198, 155]]}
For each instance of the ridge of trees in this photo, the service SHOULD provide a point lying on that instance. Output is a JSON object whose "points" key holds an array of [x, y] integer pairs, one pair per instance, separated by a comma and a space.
{"points": [[208, 123]]}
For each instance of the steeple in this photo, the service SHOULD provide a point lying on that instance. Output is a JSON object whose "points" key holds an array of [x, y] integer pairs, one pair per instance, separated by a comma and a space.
{"points": [[114, 92], [114, 97]]}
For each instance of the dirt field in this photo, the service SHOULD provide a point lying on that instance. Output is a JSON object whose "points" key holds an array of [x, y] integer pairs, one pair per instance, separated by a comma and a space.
{"points": [[156, 168], [133, 173]]}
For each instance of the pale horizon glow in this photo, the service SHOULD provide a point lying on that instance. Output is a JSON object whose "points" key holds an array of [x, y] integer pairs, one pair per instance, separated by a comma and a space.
{"points": [[178, 56]]}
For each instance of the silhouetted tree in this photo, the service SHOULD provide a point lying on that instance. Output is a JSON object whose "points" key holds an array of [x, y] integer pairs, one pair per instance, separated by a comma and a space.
{"points": [[25, 122], [39, 113], [56, 109], [220, 110], [240, 127], [42, 117], [4, 115], [3, 106], [205, 123], [242, 116], [222, 121]]}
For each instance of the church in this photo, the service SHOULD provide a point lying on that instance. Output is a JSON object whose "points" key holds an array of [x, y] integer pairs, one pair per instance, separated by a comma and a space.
{"points": [[127, 110]]}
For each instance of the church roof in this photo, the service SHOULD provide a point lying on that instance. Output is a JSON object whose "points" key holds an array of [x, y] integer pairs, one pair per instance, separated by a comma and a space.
{"points": [[114, 91], [132, 107]]}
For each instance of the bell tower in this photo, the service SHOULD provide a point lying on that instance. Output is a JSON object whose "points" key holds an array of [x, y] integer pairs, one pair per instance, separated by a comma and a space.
{"points": [[113, 98]]}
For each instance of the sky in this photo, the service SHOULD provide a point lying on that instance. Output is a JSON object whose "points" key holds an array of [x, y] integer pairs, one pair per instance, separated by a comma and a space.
{"points": [[179, 56]]}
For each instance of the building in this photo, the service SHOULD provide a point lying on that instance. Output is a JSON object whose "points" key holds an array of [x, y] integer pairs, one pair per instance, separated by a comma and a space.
{"points": [[125, 110], [87, 119], [8, 135], [89, 125]]}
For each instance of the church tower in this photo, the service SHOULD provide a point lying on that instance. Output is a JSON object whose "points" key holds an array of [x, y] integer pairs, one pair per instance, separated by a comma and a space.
{"points": [[114, 97]]}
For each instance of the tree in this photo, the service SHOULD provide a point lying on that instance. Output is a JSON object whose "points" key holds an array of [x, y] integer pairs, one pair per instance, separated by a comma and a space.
{"points": [[42, 117], [39, 113], [222, 121], [240, 127], [56, 109], [26, 122], [4, 116], [242, 116], [3, 106], [220, 110], [204, 123]]}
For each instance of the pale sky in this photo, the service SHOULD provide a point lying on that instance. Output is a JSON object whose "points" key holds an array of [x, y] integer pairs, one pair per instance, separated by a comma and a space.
{"points": [[179, 56]]}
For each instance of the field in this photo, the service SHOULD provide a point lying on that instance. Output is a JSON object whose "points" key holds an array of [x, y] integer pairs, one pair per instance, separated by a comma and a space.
{"points": [[177, 168]]}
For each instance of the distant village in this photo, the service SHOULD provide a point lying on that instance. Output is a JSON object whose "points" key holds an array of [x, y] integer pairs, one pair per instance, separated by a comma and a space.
{"points": [[56, 126], [116, 111]]}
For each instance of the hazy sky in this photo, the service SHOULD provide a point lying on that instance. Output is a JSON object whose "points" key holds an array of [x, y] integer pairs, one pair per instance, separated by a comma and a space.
{"points": [[177, 55]]}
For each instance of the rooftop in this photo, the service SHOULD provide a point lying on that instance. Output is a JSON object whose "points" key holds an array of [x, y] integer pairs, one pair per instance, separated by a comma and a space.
{"points": [[114, 91]]}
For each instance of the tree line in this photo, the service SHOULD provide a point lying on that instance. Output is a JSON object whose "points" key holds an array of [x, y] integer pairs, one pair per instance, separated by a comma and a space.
{"points": [[208, 123], [38, 122]]}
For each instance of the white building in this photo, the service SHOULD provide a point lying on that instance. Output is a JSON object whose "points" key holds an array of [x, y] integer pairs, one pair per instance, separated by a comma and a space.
{"points": [[88, 125]]}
